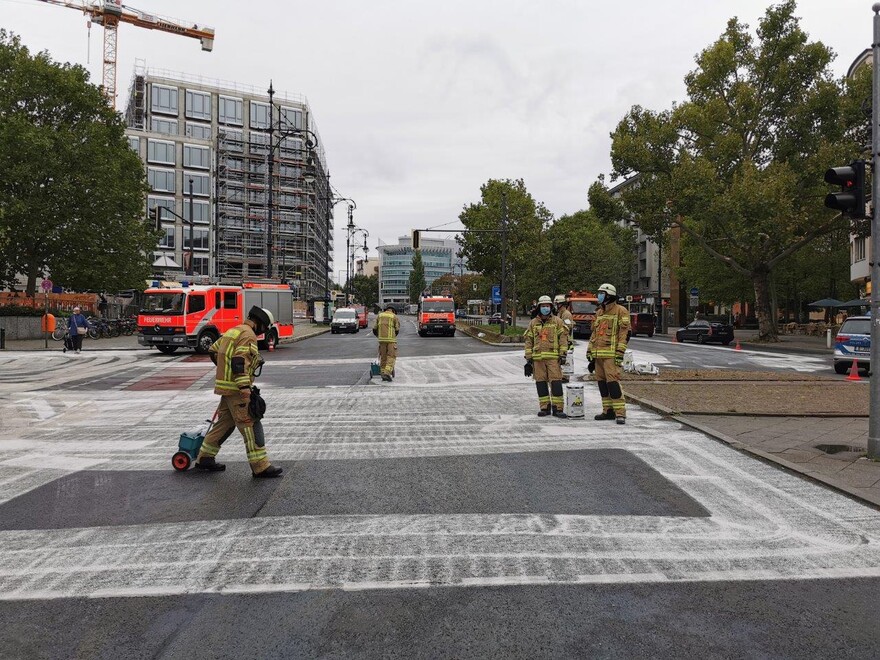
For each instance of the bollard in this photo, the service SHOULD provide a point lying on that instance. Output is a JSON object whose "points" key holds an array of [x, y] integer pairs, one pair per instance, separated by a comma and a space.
{"points": [[828, 338], [2, 339]]}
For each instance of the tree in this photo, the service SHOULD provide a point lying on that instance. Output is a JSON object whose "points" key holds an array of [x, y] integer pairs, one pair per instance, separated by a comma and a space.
{"points": [[738, 165], [71, 189], [417, 282], [366, 289]]}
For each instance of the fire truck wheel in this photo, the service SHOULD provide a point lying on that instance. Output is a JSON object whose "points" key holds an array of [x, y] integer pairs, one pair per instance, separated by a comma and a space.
{"points": [[205, 341], [167, 350]]}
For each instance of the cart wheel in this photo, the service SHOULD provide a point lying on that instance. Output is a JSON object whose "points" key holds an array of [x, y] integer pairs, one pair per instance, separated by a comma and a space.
{"points": [[181, 461]]}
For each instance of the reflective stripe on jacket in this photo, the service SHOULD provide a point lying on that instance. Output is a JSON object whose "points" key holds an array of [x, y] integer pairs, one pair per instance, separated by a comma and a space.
{"points": [[388, 326], [546, 340], [241, 342], [609, 332]]}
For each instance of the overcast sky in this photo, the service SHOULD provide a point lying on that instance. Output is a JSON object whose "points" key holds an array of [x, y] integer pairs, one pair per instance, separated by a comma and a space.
{"points": [[419, 103]]}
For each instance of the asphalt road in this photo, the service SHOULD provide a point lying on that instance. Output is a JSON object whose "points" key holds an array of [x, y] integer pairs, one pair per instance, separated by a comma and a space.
{"points": [[435, 516]]}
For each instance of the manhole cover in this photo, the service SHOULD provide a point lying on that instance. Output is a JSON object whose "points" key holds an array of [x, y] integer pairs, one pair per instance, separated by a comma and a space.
{"points": [[837, 449]]}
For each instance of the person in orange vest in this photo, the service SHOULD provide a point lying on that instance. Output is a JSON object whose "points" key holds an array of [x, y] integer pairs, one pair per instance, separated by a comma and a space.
{"points": [[546, 344], [386, 328], [606, 350]]}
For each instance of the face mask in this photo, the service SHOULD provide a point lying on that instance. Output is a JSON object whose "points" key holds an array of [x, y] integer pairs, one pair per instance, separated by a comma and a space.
{"points": [[545, 311], [601, 296]]}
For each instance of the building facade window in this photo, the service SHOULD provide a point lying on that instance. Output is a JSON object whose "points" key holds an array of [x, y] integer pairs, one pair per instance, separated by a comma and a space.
{"points": [[161, 180], [291, 118], [167, 241], [199, 239], [198, 131], [160, 152], [858, 250], [198, 157], [200, 211], [135, 143], [163, 125], [200, 265], [201, 184], [198, 105], [163, 99], [230, 111], [259, 115], [232, 140], [164, 202]]}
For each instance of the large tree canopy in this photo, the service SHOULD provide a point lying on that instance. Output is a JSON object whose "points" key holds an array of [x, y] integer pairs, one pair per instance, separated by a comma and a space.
{"points": [[71, 189], [738, 165]]}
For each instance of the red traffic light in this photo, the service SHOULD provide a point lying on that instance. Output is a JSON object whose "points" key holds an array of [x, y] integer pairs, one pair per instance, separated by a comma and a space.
{"points": [[851, 199]]}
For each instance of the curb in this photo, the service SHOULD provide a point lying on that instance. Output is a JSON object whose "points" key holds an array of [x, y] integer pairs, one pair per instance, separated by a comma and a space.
{"points": [[492, 343], [752, 451]]}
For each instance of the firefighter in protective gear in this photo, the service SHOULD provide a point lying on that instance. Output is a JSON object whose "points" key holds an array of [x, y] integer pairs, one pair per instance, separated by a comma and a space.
{"points": [[546, 342], [606, 350], [237, 360], [563, 313], [386, 328]]}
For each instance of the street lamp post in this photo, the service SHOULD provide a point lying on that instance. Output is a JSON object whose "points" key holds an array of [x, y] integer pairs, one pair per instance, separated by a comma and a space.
{"points": [[159, 209], [189, 270]]}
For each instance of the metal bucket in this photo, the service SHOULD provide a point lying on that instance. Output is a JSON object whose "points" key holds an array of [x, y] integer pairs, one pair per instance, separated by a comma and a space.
{"points": [[574, 400]]}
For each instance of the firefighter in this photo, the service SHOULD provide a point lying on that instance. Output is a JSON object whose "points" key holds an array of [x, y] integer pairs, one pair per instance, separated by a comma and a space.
{"points": [[606, 350], [386, 328], [563, 313], [237, 360], [546, 342]]}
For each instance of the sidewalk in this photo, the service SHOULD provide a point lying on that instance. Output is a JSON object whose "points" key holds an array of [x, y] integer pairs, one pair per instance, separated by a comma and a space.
{"points": [[302, 330], [817, 428]]}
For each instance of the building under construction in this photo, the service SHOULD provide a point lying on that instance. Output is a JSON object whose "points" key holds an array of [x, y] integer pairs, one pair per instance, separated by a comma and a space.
{"points": [[206, 147]]}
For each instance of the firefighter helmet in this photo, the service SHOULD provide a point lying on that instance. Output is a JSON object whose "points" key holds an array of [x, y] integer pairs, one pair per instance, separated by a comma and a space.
{"points": [[559, 299], [262, 318], [608, 289], [545, 299]]}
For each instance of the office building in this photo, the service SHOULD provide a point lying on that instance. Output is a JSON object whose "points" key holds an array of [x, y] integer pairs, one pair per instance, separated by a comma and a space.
{"points": [[439, 257]]}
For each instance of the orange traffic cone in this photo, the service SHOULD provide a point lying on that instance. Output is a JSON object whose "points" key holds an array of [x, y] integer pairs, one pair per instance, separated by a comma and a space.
{"points": [[738, 347], [674, 339], [854, 371], [271, 345]]}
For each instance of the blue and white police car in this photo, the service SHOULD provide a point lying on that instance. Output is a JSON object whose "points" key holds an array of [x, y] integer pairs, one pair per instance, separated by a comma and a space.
{"points": [[853, 342]]}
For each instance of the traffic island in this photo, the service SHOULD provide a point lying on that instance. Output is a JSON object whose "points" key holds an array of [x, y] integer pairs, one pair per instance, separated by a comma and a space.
{"points": [[490, 335], [813, 425]]}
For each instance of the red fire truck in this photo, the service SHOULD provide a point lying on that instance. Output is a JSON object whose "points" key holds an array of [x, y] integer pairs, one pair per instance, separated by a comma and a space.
{"points": [[436, 316], [177, 316]]}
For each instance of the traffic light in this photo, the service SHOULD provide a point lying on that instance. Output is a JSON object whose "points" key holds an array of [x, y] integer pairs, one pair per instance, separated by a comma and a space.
{"points": [[416, 239], [157, 218], [851, 199]]}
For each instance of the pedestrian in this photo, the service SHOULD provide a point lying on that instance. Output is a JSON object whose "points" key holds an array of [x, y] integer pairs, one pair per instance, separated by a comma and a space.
{"points": [[77, 328], [606, 350], [564, 313], [238, 361], [386, 328], [546, 344]]}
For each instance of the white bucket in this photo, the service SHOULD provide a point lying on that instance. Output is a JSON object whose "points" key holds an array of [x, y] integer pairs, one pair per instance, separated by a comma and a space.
{"points": [[574, 400], [568, 367]]}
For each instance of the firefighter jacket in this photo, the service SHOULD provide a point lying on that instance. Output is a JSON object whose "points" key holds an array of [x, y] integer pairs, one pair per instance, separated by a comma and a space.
{"points": [[237, 359], [546, 339], [387, 327], [568, 319], [610, 329]]}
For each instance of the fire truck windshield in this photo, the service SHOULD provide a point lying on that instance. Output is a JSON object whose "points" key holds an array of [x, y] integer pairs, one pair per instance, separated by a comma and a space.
{"points": [[164, 303], [437, 306], [582, 307]]}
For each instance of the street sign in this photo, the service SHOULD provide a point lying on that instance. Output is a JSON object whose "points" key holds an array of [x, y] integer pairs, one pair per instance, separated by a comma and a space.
{"points": [[496, 294], [695, 301], [629, 299], [46, 285], [695, 292]]}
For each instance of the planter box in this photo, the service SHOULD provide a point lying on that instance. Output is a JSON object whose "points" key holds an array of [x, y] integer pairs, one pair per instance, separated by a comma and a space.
{"points": [[23, 327]]}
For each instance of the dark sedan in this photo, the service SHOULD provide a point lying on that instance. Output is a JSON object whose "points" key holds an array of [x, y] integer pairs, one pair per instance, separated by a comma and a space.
{"points": [[495, 319], [704, 332]]}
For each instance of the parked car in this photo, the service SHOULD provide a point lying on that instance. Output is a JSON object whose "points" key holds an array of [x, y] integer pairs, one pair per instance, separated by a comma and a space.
{"points": [[853, 342], [495, 319], [642, 324], [703, 331], [344, 320], [363, 316], [460, 313]]}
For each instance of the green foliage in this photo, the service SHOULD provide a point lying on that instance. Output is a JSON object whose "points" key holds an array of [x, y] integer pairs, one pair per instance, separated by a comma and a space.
{"points": [[71, 189], [738, 165], [417, 282], [366, 290]]}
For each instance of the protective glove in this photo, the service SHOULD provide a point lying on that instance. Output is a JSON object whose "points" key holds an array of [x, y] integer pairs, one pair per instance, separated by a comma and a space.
{"points": [[376, 331], [528, 369], [591, 366], [618, 359], [562, 359]]}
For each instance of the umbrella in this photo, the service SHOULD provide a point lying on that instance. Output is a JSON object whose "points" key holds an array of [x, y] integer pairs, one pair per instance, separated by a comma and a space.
{"points": [[826, 302], [854, 303], [165, 262]]}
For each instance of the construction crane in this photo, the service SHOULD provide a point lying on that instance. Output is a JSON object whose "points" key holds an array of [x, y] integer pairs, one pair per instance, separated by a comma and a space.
{"points": [[110, 13]]}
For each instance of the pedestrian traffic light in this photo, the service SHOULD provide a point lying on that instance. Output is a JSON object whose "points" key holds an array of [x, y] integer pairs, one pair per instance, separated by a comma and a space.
{"points": [[416, 239], [851, 199], [157, 218]]}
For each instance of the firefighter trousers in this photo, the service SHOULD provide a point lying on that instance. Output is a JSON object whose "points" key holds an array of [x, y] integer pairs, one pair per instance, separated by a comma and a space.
{"points": [[232, 413], [608, 379], [387, 356], [548, 382]]}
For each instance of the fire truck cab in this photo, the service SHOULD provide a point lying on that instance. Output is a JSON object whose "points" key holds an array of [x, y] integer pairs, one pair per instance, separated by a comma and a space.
{"points": [[583, 306], [436, 316], [177, 316]]}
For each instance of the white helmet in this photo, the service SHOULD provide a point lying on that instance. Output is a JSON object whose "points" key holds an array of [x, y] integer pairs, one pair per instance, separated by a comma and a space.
{"points": [[559, 299], [545, 299], [608, 289]]}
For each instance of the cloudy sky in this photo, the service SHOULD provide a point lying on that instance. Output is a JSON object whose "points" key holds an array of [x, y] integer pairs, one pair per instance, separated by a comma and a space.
{"points": [[419, 103]]}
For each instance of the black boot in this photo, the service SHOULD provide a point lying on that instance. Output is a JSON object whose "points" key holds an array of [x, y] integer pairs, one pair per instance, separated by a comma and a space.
{"points": [[558, 413], [608, 414], [543, 412], [269, 473], [209, 464]]}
